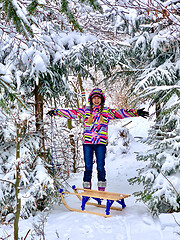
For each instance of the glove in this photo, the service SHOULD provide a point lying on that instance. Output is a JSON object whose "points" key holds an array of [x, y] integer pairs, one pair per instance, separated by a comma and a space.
{"points": [[142, 113], [51, 113]]}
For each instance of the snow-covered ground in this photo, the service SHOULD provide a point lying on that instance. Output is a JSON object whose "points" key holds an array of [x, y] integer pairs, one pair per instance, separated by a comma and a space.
{"points": [[133, 223]]}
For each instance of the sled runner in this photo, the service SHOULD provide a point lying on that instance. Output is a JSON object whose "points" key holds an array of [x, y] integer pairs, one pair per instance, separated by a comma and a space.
{"points": [[85, 194]]}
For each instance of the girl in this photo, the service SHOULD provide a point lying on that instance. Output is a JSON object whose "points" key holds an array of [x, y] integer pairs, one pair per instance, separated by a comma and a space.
{"points": [[96, 118]]}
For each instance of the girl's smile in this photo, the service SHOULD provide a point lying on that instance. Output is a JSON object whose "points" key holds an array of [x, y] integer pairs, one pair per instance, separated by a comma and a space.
{"points": [[96, 101]]}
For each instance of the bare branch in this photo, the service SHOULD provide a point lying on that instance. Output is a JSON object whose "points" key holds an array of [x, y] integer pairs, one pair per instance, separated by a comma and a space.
{"points": [[7, 181]]}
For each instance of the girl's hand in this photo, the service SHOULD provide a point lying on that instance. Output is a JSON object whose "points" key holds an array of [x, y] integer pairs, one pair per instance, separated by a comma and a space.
{"points": [[51, 113], [142, 113]]}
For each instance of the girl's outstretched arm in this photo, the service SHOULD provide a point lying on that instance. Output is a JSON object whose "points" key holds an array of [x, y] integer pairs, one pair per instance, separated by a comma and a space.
{"points": [[66, 113], [121, 113], [124, 113]]}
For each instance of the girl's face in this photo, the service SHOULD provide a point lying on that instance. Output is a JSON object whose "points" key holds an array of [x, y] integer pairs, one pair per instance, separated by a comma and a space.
{"points": [[96, 101]]}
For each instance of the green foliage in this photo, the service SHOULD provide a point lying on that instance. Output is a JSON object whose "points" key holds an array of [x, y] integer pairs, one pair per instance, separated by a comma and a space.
{"points": [[19, 19], [70, 16], [94, 4], [4, 105], [101, 57], [65, 8], [159, 176], [32, 6], [40, 197], [55, 83], [8, 94], [19, 14]]}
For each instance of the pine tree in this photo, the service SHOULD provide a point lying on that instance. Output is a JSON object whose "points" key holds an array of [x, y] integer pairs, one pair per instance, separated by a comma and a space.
{"points": [[156, 67], [29, 59], [24, 177], [160, 176], [99, 57]]}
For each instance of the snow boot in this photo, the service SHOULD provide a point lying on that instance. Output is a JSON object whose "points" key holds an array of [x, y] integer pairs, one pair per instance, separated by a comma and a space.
{"points": [[101, 186], [87, 185]]}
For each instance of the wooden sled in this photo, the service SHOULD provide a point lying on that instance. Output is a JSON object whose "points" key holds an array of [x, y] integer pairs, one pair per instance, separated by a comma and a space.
{"points": [[86, 194]]}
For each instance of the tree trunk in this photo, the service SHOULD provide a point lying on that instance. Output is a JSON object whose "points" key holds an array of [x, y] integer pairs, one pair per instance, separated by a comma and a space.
{"points": [[81, 87], [73, 147], [158, 109], [69, 124], [39, 116], [18, 177]]}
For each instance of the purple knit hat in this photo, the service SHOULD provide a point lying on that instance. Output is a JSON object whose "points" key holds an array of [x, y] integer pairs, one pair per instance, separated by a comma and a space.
{"points": [[96, 92]]}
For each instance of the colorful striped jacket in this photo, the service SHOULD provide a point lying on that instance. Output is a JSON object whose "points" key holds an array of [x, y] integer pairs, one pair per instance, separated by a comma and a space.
{"points": [[96, 133]]}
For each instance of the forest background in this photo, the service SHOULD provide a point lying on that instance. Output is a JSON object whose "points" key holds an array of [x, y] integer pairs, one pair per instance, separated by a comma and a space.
{"points": [[52, 53]]}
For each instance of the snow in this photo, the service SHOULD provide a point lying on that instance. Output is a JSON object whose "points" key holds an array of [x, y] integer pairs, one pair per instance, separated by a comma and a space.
{"points": [[18, 79], [38, 64], [133, 223], [178, 65], [20, 11], [1, 194], [2, 69], [5, 74]]}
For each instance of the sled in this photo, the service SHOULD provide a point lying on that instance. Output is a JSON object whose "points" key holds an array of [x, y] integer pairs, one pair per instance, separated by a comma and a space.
{"points": [[86, 194]]}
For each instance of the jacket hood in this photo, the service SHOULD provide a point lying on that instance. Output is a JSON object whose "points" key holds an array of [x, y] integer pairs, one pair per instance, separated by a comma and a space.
{"points": [[97, 91]]}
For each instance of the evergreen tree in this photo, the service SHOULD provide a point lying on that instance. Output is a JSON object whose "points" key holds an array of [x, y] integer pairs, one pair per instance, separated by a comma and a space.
{"points": [[160, 176], [20, 161], [99, 57], [28, 58], [155, 55]]}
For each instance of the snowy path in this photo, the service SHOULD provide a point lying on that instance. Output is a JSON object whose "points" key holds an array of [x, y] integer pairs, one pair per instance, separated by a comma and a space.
{"points": [[82, 226], [133, 223]]}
